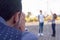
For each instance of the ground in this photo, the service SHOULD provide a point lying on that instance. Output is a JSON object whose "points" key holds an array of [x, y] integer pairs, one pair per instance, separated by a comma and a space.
{"points": [[34, 27]]}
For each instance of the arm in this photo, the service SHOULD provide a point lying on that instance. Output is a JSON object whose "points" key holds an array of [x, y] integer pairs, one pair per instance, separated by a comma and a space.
{"points": [[38, 17], [45, 16], [52, 15], [51, 12], [49, 20]]}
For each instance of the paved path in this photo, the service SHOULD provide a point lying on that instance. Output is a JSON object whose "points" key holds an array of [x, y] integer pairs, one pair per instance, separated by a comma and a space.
{"points": [[47, 31]]}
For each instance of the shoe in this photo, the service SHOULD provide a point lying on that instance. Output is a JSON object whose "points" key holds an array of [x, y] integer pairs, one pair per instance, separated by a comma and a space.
{"points": [[26, 29], [39, 34], [53, 35], [42, 34]]}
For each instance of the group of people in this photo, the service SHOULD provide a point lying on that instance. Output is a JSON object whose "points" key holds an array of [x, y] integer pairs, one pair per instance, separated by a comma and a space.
{"points": [[41, 23], [12, 22]]}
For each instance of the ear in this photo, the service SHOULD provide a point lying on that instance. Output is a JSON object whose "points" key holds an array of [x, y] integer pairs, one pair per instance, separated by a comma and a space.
{"points": [[16, 17]]}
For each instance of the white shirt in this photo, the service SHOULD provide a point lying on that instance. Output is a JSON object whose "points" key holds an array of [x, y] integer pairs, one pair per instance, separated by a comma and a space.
{"points": [[53, 20], [41, 17]]}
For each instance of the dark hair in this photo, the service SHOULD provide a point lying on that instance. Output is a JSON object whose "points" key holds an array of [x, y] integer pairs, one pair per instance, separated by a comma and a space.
{"points": [[54, 15], [40, 10], [9, 7]]}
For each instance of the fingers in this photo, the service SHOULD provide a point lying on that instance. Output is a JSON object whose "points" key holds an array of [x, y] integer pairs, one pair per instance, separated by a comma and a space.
{"points": [[22, 22]]}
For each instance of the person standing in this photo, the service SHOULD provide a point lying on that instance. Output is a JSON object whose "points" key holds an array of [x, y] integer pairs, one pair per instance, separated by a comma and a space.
{"points": [[53, 24], [54, 16], [41, 23]]}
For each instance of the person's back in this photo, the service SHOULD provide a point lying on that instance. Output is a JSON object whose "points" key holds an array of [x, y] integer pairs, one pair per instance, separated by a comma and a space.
{"points": [[28, 36], [9, 33]]}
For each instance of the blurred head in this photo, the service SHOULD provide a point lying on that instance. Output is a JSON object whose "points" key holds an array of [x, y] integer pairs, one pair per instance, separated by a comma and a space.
{"points": [[54, 15], [10, 11], [40, 11]]}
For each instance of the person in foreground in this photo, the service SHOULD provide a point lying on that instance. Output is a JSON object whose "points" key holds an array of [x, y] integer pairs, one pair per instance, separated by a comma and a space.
{"points": [[12, 21]]}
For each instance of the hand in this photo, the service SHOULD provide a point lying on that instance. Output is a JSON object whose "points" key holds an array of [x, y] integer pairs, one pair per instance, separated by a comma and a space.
{"points": [[22, 22], [49, 20]]}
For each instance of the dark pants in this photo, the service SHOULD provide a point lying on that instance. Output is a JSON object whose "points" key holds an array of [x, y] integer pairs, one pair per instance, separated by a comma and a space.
{"points": [[41, 27], [53, 28]]}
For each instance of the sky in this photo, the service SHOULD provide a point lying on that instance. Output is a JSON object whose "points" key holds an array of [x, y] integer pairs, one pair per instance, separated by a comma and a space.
{"points": [[46, 6]]}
